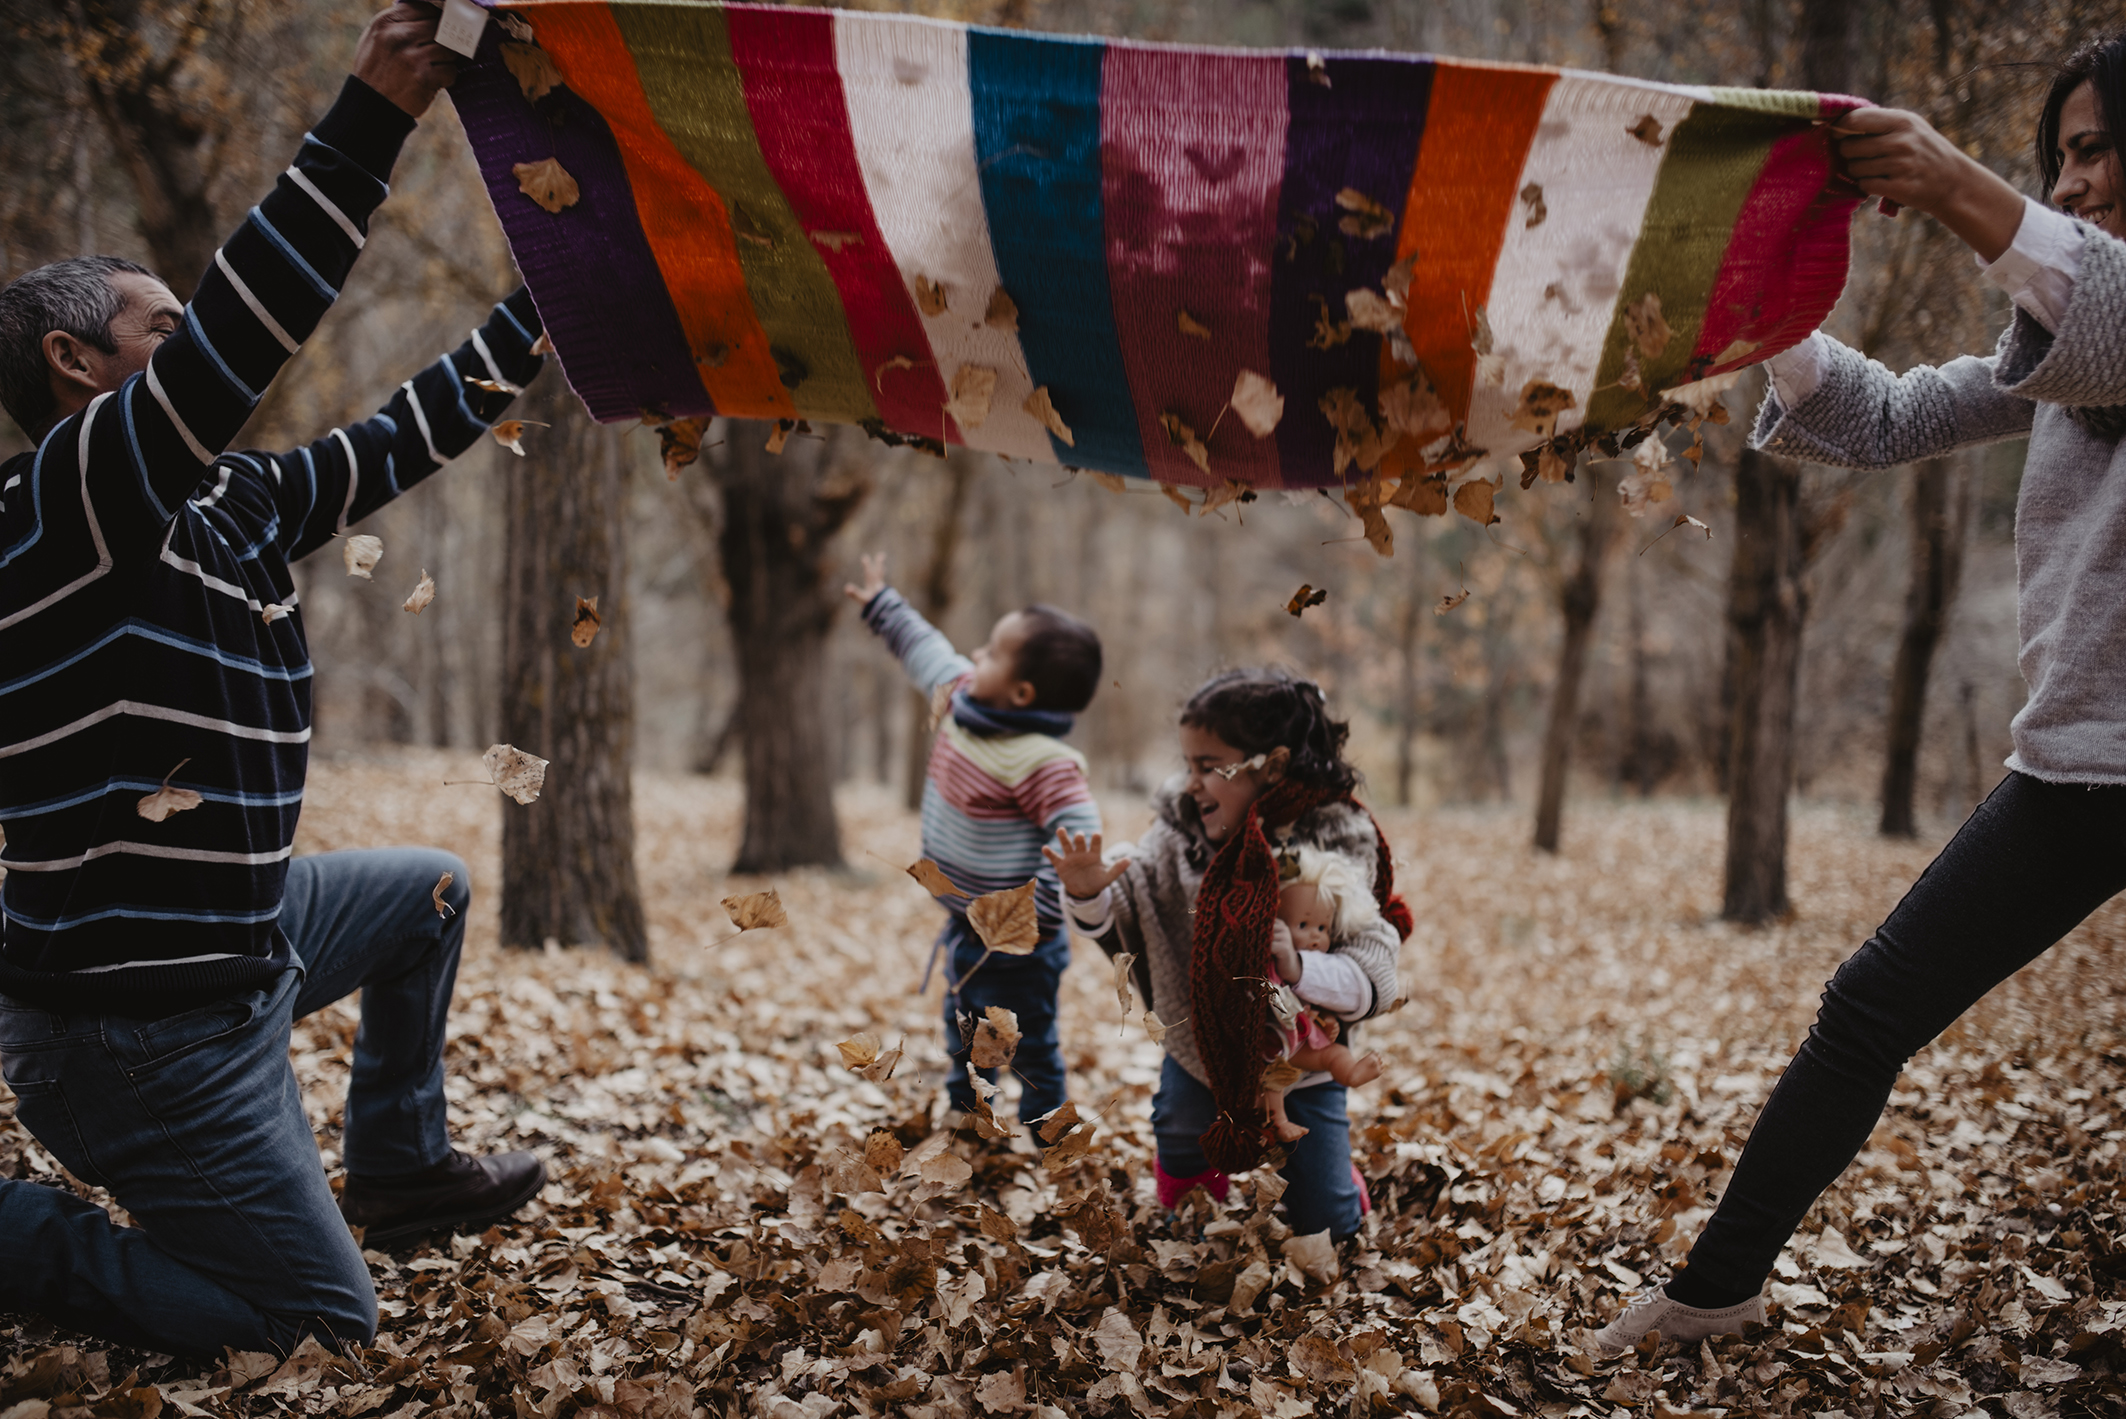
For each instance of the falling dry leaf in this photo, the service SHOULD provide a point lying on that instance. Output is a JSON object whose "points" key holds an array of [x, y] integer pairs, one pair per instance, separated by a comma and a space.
{"points": [[932, 879], [1532, 203], [1257, 403], [424, 592], [443, 908], [1043, 408], [1648, 327], [996, 1038], [1421, 493], [533, 70], [1473, 500], [1122, 963], [585, 627], [1232, 490], [1540, 405], [1684, 519], [945, 1170], [542, 345], [1370, 310], [494, 386], [1357, 440], [1318, 70], [1303, 598], [1006, 921], [361, 553], [1555, 465], [1449, 602], [515, 25], [516, 773], [751, 911], [1002, 313], [1180, 499], [1155, 1028], [679, 442], [1328, 332], [882, 1150], [973, 386], [1189, 325], [1184, 438], [1412, 406], [547, 183], [1367, 219], [929, 296], [1281, 1074], [1647, 130], [272, 611], [864, 1056], [779, 437], [510, 433], [166, 800]]}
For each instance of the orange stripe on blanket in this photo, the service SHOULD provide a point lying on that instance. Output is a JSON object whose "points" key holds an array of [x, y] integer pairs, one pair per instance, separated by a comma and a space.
{"points": [[1462, 192], [686, 222]]}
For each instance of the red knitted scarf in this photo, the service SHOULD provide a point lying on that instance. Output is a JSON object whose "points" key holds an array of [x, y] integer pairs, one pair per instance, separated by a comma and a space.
{"points": [[1236, 907]]}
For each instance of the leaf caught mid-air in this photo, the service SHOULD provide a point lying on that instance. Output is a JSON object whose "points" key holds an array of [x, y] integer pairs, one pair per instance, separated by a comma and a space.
{"points": [[1257, 403], [1473, 500], [516, 773], [1648, 483], [494, 386], [1178, 498], [1357, 440], [1043, 408], [932, 879], [1184, 438], [866, 1057], [360, 553], [973, 387], [996, 1038], [1281, 1074], [543, 345], [1541, 403], [1306, 596], [531, 67], [424, 592], [1006, 921], [1328, 331], [1188, 325], [1451, 600], [273, 611], [584, 629], [779, 436], [756, 911], [1122, 962], [1422, 493], [443, 908], [1002, 312], [1648, 327], [166, 800], [547, 183], [1367, 219], [1412, 406], [1155, 1028], [930, 296], [510, 433], [1232, 490], [679, 443], [1647, 130], [1532, 204], [1370, 310], [1684, 519]]}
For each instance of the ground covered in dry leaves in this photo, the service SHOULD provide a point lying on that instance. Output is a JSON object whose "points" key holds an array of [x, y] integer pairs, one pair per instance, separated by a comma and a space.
{"points": [[1578, 1063]]}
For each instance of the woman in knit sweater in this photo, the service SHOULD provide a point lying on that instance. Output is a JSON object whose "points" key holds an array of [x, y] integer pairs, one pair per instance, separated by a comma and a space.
{"points": [[1196, 902], [2049, 845]]}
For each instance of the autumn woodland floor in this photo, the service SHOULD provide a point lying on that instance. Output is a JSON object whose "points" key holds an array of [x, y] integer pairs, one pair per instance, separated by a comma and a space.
{"points": [[694, 1251]]}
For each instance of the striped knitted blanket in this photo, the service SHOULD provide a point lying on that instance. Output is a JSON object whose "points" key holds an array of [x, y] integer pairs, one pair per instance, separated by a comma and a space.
{"points": [[1208, 267]]}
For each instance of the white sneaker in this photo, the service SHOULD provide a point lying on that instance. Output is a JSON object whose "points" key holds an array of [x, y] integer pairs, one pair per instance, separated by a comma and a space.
{"points": [[1652, 1310]]}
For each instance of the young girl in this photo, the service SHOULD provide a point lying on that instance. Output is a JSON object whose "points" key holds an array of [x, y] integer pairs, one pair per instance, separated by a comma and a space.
{"points": [[1196, 904], [1325, 899]]}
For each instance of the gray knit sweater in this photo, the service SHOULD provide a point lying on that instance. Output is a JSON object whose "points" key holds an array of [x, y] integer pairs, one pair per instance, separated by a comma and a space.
{"points": [[2070, 517], [1153, 908]]}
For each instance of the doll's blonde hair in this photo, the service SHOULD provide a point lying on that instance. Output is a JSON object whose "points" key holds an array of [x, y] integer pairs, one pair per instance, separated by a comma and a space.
{"points": [[1342, 885]]}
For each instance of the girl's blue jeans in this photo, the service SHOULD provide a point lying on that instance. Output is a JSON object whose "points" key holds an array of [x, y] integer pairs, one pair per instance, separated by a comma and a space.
{"points": [[195, 1124], [1323, 1193]]}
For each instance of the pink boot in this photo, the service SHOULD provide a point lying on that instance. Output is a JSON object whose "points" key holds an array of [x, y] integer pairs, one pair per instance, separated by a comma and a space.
{"points": [[1365, 1199], [1173, 1189]]}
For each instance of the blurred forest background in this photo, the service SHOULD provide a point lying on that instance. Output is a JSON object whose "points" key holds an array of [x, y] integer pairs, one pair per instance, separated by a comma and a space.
{"points": [[132, 126]]}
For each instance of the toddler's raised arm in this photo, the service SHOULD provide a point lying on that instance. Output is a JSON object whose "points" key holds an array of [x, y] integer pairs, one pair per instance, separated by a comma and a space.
{"points": [[924, 652]]}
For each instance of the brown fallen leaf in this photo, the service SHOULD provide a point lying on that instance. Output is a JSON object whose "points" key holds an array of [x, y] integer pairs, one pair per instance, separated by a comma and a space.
{"points": [[930, 297], [272, 611], [1541, 403], [1006, 921], [1397, 282], [932, 879], [1379, 535], [1367, 219], [1532, 202], [973, 387], [1122, 963], [1473, 500], [1178, 498], [1281, 1074], [1155, 1028], [1555, 466], [424, 592], [585, 627], [1070, 1148], [1421, 493], [751, 911], [1328, 331], [547, 183], [946, 1170], [516, 25], [1357, 440], [849, 1176], [1002, 313], [1412, 406], [1370, 310], [1684, 519], [1232, 490], [1648, 327], [1647, 130], [1043, 408], [166, 800], [516, 773], [510, 433], [1449, 602], [1188, 325], [1256, 403], [443, 908], [679, 442], [532, 68], [1184, 438], [996, 1038], [1306, 596], [865, 1057], [883, 1151], [542, 345], [361, 553], [494, 386]]}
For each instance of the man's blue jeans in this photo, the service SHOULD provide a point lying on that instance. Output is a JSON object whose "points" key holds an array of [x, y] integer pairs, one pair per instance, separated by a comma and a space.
{"points": [[1323, 1193], [1026, 986], [195, 1124]]}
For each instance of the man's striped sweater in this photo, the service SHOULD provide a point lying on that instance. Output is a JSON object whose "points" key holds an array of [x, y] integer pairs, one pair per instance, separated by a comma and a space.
{"points": [[138, 566], [991, 800]]}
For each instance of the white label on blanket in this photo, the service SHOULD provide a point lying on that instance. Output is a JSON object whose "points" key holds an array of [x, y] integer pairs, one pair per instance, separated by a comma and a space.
{"points": [[462, 25]]}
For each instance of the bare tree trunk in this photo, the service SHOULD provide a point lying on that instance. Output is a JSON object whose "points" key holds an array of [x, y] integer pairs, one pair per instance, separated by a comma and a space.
{"points": [[1766, 607], [568, 860], [936, 593], [1580, 597], [779, 515], [1406, 701], [1639, 736], [1937, 565]]}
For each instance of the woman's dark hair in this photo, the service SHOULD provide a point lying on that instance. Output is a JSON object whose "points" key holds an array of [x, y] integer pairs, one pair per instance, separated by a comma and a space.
{"points": [[1257, 710], [2101, 63]]}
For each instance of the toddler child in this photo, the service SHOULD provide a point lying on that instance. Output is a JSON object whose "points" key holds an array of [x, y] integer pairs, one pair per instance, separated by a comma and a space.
{"points": [[1323, 900], [1001, 782]]}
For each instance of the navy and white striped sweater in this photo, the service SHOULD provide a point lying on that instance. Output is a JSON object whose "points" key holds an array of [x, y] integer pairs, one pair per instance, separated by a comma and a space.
{"points": [[136, 561]]}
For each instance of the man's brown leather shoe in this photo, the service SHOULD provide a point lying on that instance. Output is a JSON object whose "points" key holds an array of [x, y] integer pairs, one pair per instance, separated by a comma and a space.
{"points": [[460, 1192]]}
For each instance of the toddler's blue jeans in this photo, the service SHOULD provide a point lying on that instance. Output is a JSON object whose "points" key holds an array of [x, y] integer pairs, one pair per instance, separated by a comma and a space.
{"points": [[1025, 985], [195, 1124]]}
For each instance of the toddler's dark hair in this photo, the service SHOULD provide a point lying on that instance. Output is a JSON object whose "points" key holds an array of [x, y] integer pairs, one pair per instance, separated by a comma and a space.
{"points": [[1060, 658], [1257, 710]]}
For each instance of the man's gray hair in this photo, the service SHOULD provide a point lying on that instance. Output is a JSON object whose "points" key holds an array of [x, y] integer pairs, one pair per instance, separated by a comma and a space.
{"points": [[75, 296]]}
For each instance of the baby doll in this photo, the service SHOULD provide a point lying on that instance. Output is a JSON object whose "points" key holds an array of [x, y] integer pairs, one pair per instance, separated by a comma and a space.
{"points": [[1323, 899]]}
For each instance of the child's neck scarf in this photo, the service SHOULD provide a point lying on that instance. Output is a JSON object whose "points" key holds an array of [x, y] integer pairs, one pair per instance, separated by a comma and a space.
{"points": [[981, 720], [1229, 966]]}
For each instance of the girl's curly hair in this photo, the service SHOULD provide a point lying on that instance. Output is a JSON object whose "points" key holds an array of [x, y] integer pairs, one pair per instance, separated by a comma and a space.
{"points": [[1257, 710]]}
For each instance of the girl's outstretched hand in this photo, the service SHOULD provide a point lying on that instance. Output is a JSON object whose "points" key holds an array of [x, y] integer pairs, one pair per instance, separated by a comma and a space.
{"points": [[1897, 155], [1078, 863], [874, 564]]}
